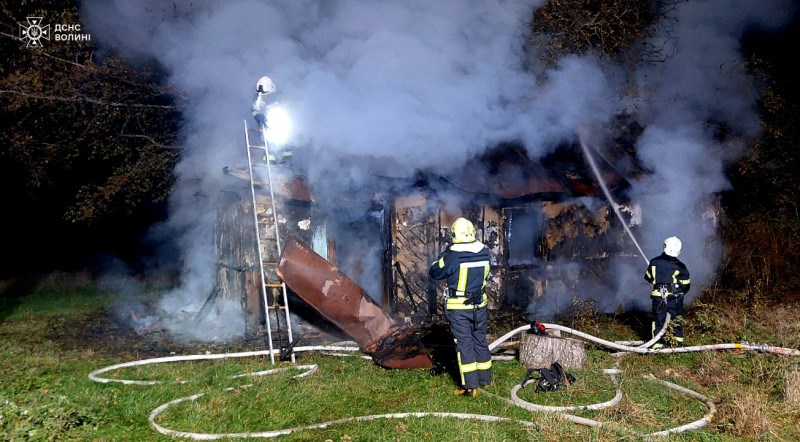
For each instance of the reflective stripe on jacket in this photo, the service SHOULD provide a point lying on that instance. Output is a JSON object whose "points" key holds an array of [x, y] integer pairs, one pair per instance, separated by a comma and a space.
{"points": [[466, 268], [667, 272], [457, 303]]}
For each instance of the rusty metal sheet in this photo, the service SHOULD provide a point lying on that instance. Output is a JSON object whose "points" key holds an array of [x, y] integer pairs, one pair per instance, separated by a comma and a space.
{"points": [[340, 300], [335, 296]]}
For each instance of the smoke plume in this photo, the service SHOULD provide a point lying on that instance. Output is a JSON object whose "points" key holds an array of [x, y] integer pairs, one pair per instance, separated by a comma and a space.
{"points": [[424, 85]]}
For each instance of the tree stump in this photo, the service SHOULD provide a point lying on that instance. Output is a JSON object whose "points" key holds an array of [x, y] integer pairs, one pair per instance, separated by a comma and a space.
{"points": [[540, 351]]}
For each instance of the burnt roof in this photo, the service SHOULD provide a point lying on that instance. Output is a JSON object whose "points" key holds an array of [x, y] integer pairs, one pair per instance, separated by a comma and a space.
{"points": [[505, 171], [508, 171]]}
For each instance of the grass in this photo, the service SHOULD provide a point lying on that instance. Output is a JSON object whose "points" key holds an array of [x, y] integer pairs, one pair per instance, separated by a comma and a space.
{"points": [[45, 393]]}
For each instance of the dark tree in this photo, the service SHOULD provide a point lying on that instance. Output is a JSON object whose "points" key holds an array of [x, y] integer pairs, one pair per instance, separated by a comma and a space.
{"points": [[607, 28], [87, 143]]}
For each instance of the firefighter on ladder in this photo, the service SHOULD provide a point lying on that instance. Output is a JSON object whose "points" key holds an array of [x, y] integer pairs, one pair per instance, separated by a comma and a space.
{"points": [[670, 279], [465, 266], [271, 118]]}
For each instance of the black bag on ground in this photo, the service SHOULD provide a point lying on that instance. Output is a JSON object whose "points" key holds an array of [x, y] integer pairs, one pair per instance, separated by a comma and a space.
{"points": [[550, 379]]}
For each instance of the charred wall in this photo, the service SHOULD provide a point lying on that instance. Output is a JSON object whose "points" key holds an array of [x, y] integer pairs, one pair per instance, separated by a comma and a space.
{"points": [[234, 239], [419, 230], [238, 268], [414, 236], [570, 255], [545, 254]]}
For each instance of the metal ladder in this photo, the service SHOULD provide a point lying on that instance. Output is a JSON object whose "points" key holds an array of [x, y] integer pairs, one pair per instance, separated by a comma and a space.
{"points": [[273, 289]]}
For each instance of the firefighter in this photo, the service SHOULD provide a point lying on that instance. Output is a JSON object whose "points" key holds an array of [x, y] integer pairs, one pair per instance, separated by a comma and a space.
{"points": [[271, 118], [265, 90], [465, 266], [670, 279]]}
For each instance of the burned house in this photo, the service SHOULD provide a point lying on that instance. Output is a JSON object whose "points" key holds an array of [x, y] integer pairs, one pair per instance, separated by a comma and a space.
{"points": [[548, 226], [551, 232]]}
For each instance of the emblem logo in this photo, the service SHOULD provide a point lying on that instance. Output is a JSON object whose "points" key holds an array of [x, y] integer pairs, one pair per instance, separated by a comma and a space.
{"points": [[34, 32]]}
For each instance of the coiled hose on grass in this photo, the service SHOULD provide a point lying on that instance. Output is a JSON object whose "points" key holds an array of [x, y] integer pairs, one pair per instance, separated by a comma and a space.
{"points": [[624, 348], [309, 369]]}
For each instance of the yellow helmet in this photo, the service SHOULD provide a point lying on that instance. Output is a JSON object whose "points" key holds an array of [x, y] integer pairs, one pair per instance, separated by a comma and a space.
{"points": [[463, 231]]}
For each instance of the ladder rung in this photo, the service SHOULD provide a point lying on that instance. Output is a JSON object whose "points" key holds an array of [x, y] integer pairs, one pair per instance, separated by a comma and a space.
{"points": [[281, 334]]}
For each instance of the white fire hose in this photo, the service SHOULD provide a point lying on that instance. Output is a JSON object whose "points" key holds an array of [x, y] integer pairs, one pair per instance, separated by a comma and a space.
{"points": [[560, 411], [309, 369], [625, 349]]}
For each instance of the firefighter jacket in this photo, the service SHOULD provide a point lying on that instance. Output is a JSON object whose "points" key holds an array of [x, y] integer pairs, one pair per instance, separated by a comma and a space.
{"points": [[261, 106], [259, 110], [668, 275], [466, 268]]}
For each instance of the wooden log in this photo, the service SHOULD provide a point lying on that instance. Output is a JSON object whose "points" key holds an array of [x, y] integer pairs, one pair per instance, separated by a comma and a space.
{"points": [[537, 351]]}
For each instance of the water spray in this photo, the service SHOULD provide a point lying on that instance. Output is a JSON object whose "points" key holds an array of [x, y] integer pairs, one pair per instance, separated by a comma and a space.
{"points": [[610, 199]]}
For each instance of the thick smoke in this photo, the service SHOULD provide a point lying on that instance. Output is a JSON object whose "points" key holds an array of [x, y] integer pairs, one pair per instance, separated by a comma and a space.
{"points": [[423, 85], [702, 86]]}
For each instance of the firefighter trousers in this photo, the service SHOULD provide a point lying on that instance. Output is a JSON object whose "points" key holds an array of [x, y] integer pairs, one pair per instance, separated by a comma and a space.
{"points": [[672, 304], [474, 358]]}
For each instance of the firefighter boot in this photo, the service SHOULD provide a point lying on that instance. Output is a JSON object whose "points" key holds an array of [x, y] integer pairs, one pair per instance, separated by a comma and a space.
{"points": [[467, 392]]}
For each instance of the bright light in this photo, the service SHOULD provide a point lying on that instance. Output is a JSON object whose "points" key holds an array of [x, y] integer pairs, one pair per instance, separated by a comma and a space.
{"points": [[278, 125]]}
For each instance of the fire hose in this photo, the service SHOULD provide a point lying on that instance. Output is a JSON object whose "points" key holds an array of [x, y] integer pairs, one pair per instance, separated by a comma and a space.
{"points": [[762, 348], [560, 411], [309, 369], [625, 349]]}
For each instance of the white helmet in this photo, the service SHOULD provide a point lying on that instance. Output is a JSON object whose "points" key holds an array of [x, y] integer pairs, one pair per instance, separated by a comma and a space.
{"points": [[463, 231], [672, 246], [265, 86]]}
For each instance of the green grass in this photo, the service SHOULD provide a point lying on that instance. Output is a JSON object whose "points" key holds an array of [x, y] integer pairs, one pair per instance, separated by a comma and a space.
{"points": [[45, 393]]}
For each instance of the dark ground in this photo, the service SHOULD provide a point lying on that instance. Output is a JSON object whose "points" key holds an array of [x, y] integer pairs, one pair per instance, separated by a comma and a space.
{"points": [[105, 333]]}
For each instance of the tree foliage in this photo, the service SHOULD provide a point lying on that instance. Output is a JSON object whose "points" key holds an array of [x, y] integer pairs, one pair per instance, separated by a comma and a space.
{"points": [[89, 138], [762, 225], [602, 27], [89, 144]]}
